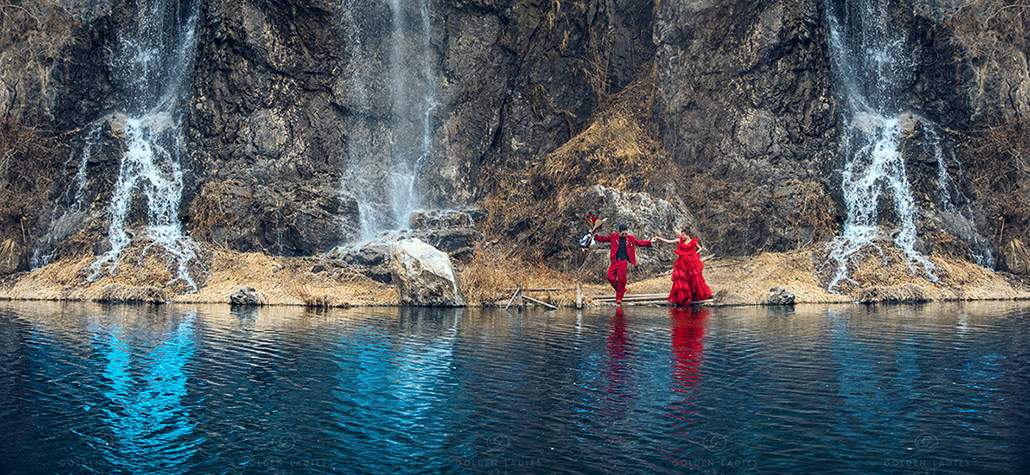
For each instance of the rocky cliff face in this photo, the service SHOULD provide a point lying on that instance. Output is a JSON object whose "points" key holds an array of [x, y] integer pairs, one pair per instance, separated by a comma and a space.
{"points": [[290, 100], [749, 112]]}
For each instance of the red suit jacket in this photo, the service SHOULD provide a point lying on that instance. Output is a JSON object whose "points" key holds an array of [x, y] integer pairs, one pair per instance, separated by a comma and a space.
{"points": [[631, 244]]}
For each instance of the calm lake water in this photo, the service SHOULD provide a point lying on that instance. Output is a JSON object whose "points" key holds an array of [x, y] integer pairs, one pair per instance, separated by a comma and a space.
{"points": [[89, 388]]}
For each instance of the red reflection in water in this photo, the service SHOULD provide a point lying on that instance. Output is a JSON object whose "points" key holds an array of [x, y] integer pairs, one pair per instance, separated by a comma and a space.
{"points": [[620, 351], [688, 332]]}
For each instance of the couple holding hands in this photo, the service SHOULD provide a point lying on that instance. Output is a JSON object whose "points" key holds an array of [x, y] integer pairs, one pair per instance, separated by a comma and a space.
{"points": [[687, 282]]}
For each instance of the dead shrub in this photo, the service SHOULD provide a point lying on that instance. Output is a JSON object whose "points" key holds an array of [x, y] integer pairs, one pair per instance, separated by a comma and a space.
{"points": [[999, 167], [32, 36], [28, 167], [312, 297], [493, 274], [990, 31]]}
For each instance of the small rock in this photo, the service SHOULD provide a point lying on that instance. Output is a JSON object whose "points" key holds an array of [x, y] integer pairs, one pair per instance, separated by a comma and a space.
{"points": [[780, 296], [245, 296], [318, 268]]}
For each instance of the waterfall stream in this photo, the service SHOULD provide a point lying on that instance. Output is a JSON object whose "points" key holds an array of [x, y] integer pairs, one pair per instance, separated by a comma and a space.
{"points": [[383, 168], [152, 63], [873, 68]]}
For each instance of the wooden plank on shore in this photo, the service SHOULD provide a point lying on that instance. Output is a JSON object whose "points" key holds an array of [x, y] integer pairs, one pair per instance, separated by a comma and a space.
{"points": [[531, 299], [637, 296], [664, 303]]}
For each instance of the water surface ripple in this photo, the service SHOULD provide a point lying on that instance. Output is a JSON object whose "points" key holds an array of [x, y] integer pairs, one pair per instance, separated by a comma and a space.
{"points": [[88, 388]]}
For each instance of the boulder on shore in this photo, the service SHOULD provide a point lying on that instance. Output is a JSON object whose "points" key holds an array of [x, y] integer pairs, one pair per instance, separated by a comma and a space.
{"points": [[245, 296], [424, 275], [780, 296]]}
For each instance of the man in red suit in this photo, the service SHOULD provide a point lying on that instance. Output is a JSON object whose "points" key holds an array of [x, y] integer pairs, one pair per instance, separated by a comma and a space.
{"points": [[623, 253]]}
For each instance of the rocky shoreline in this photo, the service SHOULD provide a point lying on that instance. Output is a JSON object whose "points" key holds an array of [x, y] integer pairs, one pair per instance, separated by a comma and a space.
{"points": [[333, 282]]}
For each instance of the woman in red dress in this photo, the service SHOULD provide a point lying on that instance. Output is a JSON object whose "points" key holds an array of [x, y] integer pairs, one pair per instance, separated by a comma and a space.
{"points": [[688, 284]]}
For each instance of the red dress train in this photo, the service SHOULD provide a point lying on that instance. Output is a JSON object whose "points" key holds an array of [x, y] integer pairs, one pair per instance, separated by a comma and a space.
{"points": [[687, 282]]}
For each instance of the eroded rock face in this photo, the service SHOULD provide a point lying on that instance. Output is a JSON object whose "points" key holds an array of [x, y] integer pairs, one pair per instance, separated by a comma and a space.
{"points": [[275, 120], [424, 275], [748, 111]]}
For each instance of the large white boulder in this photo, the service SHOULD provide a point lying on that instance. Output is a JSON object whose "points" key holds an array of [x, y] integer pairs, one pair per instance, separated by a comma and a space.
{"points": [[424, 275]]}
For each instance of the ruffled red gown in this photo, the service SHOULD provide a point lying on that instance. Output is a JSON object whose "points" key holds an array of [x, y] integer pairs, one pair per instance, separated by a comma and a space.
{"points": [[687, 282]]}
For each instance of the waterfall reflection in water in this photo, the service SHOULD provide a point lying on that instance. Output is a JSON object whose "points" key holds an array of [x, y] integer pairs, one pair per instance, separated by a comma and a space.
{"points": [[163, 389]]}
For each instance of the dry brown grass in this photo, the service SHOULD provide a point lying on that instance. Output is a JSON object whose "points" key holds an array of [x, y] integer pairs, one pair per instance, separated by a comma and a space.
{"points": [[1000, 170], [279, 281], [746, 281], [492, 275]]}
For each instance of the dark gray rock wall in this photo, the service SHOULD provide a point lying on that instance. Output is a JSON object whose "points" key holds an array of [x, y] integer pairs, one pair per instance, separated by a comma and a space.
{"points": [[747, 109]]}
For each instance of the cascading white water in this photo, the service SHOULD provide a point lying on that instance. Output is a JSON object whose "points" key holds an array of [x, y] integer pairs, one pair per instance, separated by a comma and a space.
{"points": [[152, 64], [872, 68], [385, 183]]}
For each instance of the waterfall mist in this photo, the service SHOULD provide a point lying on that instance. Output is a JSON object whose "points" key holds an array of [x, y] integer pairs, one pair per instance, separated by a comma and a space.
{"points": [[393, 106]]}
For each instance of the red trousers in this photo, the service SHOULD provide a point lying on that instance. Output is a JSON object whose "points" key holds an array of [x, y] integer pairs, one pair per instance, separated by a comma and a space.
{"points": [[617, 277]]}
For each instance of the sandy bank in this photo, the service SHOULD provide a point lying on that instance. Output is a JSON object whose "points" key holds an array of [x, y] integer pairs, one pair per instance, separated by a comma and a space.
{"points": [[324, 282]]}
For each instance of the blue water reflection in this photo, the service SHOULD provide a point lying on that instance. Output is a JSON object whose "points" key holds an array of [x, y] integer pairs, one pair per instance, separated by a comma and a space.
{"points": [[143, 380], [165, 389]]}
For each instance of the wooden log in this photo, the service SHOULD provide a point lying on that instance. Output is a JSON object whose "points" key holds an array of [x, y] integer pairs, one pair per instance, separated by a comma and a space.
{"points": [[512, 299], [531, 299], [579, 295], [631, 297]]}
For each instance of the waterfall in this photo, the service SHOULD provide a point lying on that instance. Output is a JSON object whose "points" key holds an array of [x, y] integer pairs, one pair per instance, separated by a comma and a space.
{"points": [[383, 165], [873, 69], [152, 63]]}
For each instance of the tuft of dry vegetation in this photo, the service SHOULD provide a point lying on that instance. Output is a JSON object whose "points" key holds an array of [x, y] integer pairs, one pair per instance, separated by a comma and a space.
{"points": [[27, 171], [990, 31], [1000, 171], [493, 274]]}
